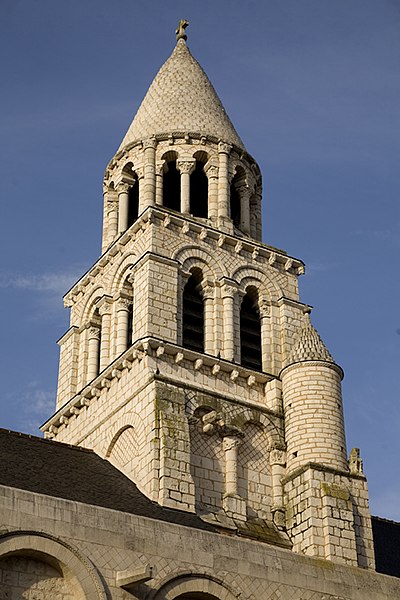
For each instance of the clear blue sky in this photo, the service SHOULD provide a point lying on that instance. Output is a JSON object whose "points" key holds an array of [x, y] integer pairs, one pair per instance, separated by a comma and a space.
{"points": [[313, 89]]}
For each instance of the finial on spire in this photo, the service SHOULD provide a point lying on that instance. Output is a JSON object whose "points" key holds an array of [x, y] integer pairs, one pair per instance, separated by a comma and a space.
{"points": [[180, 32]]}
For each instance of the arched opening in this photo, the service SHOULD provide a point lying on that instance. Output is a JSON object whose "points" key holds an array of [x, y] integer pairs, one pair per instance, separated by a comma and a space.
{"points": [[193, 313], [130, 177], [199, 188], [235, 203], [133, 199], [250, 331], [171, 183]]}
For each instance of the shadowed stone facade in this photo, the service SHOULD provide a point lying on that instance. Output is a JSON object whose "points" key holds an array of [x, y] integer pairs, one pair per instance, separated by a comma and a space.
{"points": [[193, 386]]}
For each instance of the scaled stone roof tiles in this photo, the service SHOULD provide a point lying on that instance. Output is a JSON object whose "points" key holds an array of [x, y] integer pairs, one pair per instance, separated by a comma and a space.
{"points": [[308, 345], [181, 99]]}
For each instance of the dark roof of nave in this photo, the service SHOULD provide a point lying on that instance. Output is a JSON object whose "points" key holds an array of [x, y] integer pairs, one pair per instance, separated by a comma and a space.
{"points": [[73, 473]]}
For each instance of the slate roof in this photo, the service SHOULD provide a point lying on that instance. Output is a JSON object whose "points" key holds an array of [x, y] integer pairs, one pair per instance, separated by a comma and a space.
{"points": [[64, 471], [308, 345], [181, 99]]}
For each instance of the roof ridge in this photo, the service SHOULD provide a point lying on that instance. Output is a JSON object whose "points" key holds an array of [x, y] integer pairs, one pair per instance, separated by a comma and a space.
{"points": [[43, 440]]}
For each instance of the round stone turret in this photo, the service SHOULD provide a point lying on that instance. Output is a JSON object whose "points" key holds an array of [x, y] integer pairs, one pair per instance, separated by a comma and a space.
{"points": [[312, 401], [181, 152]]}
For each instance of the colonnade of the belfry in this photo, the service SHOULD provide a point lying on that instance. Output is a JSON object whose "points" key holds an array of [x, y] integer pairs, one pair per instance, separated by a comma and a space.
{"points": [[141, 170]]}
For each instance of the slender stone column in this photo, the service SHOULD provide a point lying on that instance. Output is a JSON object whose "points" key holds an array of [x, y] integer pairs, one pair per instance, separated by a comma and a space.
{"points": [[105, 313], [223, 180], [159, 183], [208, 297], [140, 182], [244, 194], [233, 504], [94, 334], [123, 306], [212, 174], [228, 301], [123, 206], [265, 318], [185, 167], [149, 192], [112, 221], [231, 444], [277, 460]]}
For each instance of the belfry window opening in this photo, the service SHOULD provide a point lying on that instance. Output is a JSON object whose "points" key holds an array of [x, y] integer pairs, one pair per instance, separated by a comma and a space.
{"points": [[133, 201], [235, 210], [250, 331], [172, 185], [199, 188], [193, 313]]}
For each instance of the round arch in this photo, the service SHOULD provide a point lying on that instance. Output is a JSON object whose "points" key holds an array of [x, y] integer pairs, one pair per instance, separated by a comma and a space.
{"points": [[201, 586], [245, 276], [88, 309], [191, 255], [47, 547]]}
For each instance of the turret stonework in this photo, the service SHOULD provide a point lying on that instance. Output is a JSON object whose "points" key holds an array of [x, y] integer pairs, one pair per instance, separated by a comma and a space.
{"points": [[190, 362]]}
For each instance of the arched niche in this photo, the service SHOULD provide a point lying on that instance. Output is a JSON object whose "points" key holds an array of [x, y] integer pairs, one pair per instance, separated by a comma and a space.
{"points": [[130, 177], [200, 587], [52, 566]]}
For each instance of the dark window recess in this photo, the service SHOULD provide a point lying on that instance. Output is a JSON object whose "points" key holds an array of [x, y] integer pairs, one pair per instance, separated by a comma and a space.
{"points": [[250, 335], [129, 337], [199, 192], [133, 206], [172, 187], [235, 204], [193, 317]]}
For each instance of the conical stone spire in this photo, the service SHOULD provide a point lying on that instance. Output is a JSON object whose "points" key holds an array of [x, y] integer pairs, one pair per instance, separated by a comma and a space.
{"points": [[308, 345], [181, 99]]}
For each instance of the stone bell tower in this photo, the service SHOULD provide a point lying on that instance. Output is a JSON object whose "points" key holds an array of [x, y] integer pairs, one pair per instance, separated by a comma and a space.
{"points": [[190, 363]]}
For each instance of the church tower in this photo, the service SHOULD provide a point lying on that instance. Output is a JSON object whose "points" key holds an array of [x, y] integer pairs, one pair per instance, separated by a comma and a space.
{"points": [[190, 362]]}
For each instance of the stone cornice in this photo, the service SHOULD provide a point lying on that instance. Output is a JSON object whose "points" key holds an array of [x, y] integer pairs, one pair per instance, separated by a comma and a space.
{"points": [[156, 348], [321, 468], [258, 252]]}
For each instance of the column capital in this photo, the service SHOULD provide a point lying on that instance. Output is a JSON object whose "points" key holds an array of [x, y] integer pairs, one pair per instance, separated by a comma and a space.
{"points": [[211, 171], [123, 304], [122, 187], [277, 457], [264, 307], [149, 143], [159, 168], [224, 148], [94, 332], [208, 291], [185, 166], [230, 442], [229, 289], [104, 305]]}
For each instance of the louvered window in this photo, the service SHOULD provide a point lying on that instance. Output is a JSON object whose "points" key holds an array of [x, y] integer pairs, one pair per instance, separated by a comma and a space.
{"points": [[193, 317], [172, 187], [250, 334], [199, 192]]}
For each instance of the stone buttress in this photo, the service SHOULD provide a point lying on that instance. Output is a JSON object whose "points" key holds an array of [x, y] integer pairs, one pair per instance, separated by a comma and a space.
{"points": [[190, 363]]}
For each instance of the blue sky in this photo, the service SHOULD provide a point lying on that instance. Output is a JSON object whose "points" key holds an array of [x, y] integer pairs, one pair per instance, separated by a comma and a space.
{"points": [[312, 87]]}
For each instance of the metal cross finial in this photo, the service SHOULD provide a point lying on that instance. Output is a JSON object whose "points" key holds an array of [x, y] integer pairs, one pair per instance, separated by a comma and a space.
{"points": [[180, 32]]}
